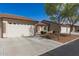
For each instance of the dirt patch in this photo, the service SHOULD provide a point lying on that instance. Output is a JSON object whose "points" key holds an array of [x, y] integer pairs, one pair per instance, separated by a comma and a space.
{"points": [[66, 38]]}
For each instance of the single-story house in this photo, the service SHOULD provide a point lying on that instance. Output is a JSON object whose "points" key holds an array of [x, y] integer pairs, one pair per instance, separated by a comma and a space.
{"points": [[16, 26], [63, 28], [66, 25], [47, 26]]}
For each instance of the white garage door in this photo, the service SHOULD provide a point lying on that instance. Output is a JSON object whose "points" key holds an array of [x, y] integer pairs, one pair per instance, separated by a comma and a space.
{"points": [[65, 29], [17, 30]]}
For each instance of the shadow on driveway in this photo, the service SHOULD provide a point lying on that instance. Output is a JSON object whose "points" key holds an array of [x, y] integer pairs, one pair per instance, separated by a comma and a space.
{"points": [[70, 49]]}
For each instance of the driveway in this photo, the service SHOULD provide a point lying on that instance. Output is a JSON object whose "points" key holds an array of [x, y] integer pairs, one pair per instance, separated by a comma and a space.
{"points": [[26, 46], [70, 49]]}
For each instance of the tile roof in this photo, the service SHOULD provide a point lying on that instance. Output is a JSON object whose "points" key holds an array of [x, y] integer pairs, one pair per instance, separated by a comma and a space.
{"points": [[41, 24], [14, 17]]}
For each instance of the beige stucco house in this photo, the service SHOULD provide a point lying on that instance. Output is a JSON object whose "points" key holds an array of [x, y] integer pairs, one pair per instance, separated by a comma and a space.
{"points": [[15, 26], [63, 28]]}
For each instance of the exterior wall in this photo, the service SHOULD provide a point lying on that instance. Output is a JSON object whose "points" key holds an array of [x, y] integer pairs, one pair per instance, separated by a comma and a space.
{"points": [[4, 28], [1, 29], [73, 29], [65, 29], [54, 27], [76, 28], [41, 28], [18, 30]]}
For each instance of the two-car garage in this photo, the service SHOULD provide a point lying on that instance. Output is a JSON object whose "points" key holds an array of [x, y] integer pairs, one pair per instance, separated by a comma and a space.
{"points": [[15, 26]]}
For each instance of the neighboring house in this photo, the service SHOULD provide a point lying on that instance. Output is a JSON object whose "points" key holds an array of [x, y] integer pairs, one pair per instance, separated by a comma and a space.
{"points": [[47, 26], [41, 27], [65, 28], [52, 25], [16, 26]]}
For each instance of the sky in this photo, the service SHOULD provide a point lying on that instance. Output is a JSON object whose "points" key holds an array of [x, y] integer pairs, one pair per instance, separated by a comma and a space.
{"points": [[35, 11]]}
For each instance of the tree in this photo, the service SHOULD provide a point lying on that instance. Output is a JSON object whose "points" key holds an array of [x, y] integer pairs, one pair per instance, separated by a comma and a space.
{"points": [[70, 12], [66, 11], [53, 11]]}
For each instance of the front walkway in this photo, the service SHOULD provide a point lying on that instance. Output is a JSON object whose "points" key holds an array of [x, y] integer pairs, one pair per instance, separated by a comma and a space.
{"points": [[25, 46]]}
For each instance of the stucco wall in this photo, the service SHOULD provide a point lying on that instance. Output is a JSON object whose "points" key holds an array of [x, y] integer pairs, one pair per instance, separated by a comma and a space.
{"points": [[65, 29], [18, 30]]}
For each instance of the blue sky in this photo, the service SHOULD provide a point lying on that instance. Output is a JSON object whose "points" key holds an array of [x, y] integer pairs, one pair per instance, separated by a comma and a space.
{"points": [[29, 10]]}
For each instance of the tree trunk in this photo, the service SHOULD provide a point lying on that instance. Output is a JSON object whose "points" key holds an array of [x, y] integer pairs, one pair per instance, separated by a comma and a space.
{"points": [[71, 28], [59, 30]]}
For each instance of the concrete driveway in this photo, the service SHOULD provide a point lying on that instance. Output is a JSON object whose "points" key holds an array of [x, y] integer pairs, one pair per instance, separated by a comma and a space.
{"points": [[26, 46]]}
